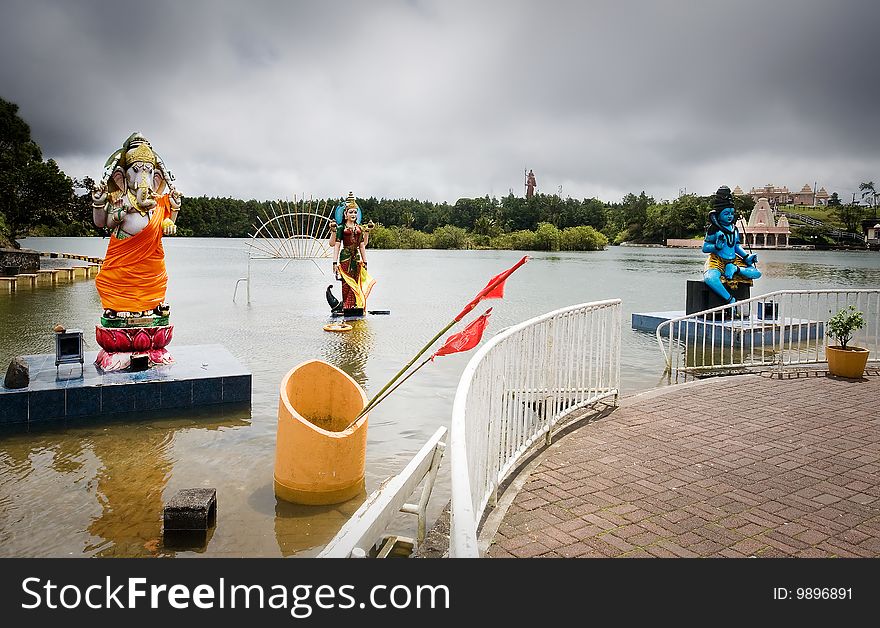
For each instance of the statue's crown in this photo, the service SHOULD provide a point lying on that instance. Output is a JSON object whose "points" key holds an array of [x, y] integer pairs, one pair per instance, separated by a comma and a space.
{"points": [[350, 202], [139, 149], [723, 198]]}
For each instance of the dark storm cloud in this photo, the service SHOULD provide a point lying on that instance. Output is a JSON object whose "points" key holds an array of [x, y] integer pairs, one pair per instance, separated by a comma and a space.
{"points": [[438, 100]]}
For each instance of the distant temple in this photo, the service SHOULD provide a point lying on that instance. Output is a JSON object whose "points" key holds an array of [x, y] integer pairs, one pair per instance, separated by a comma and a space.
{"points": [[783, 196], [871, 231], [807, 197], [763, 230]]}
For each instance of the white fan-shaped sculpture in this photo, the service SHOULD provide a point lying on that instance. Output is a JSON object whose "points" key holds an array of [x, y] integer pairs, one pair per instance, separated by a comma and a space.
{"points": [[292, 231]]}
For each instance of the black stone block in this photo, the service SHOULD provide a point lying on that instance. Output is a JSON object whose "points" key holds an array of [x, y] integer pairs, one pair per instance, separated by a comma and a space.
{"points": [[147, 396], [46, 405], [177, 394], [83, 401], [767, 310], [207, 391], [191, 509], [117, 398], [191, 540], [237, 388], [14, 408], [701, 297]]}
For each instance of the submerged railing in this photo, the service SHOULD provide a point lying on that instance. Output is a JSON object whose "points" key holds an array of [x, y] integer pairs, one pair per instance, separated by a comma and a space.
{"points": [[366, 527], [771, 331], [514, 391]]}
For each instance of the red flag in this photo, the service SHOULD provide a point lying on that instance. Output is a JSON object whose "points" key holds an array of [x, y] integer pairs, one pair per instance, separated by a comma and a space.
{"points": [[493, 290], [467, 338]]}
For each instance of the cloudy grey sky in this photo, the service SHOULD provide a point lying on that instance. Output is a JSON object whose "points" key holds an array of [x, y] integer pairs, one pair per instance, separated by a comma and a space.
{"points": [[437, 100]]}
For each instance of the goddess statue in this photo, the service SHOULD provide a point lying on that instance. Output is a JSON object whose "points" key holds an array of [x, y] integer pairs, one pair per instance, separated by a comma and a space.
{"points": [[348, 239]]}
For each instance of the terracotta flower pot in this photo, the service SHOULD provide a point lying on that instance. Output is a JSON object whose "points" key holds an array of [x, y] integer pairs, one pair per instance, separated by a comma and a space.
{"points": [[849, 362]]}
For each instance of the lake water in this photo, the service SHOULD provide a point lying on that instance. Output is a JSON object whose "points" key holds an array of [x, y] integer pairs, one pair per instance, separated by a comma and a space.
{"points": [[97, 488]]}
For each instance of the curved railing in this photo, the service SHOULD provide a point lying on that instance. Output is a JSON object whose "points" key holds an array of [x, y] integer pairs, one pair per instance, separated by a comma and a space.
{"points": [[785, 328], [519, 386]]}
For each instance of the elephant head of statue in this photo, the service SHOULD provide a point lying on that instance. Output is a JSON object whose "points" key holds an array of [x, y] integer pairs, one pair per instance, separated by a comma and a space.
{"points": [[134, 176]]}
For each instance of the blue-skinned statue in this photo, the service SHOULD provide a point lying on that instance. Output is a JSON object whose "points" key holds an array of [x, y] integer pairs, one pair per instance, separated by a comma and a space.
{"points": [[728, 265]]}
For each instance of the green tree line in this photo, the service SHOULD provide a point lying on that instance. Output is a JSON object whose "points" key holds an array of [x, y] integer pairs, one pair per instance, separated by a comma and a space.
{"points": [[37, 198], [543, 222]]}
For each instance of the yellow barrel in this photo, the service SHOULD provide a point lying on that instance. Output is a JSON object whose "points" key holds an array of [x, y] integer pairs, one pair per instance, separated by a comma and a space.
{"points": [[317, 459]]}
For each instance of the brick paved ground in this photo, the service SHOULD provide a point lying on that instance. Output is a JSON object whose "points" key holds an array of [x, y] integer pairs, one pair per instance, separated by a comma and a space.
{"points": [[793, 470]]}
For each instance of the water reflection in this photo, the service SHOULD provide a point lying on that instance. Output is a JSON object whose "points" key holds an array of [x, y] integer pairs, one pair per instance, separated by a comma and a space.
{"points": [[840, 276], [192, 540], [299, 528], [675, 262], [694, 354], [105, 482], [136, 467], [348, 351], [802, 270]]}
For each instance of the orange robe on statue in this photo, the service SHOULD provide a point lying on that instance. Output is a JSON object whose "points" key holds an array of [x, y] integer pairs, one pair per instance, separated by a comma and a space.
{"points": [[133, 277]]}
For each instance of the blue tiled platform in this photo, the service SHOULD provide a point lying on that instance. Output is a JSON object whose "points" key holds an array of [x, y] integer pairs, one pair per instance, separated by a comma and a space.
{"points": [[201, 375], [650, 321], [745, 332]]}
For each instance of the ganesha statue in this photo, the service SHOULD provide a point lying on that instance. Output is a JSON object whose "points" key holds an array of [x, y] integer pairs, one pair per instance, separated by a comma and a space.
{"points": [[138, 204]]}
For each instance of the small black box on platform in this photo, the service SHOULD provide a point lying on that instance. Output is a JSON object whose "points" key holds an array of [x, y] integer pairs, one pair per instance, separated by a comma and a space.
{"points": [[69, 347], [191, 510], [701, 297], [139, 362], [766, 310]]}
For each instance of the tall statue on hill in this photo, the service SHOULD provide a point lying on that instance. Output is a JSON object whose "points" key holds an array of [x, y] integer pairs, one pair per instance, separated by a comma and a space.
{"points": [[530, 184], [728, 264], [132, 202]]}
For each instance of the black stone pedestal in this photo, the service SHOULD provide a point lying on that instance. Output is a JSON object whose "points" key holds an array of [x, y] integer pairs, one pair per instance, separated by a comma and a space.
{"points": [[701, 297], [191, 509]]}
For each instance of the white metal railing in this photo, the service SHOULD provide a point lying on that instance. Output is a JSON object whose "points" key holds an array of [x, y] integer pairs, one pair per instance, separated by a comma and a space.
{"points": [[813, 222], [773, 330], [366, 526], [514, 391]]}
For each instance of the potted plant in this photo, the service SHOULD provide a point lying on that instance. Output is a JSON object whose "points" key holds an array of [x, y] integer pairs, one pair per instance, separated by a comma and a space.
{"points": [[843, 360]]}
